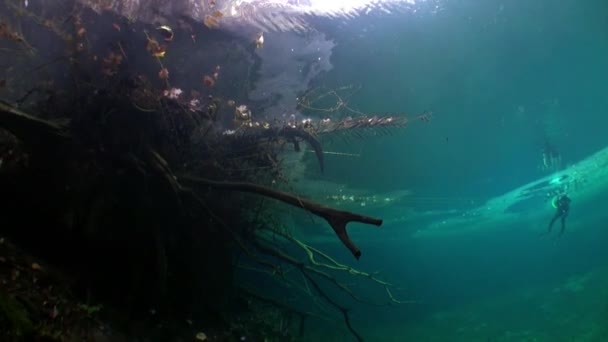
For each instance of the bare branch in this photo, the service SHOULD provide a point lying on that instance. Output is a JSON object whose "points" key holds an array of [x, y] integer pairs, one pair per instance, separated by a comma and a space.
{"points": [[337, 219]]}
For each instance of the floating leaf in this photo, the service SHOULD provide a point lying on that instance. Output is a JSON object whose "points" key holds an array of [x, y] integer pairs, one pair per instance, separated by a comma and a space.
{"points": [[201, 336]]}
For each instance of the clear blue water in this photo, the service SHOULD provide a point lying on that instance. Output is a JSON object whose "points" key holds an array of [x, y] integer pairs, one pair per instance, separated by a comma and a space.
{"points": [[500, 78]]}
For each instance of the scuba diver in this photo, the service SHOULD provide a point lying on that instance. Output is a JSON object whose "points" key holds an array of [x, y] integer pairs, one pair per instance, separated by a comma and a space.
{"points": [[562, 206]]}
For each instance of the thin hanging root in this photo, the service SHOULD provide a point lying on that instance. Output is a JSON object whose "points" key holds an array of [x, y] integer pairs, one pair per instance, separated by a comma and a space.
{"points": [[305, 270], [343, 310], [300, 265], [122, 51], [30, 129], [336, 266], [355, 155], [337, 219]]}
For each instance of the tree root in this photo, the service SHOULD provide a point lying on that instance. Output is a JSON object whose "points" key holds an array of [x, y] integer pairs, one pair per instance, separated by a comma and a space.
{"points": [[332, 264], [304, 269], [32, 130], [284, 307], [342, 309], [46, 134], [337, 219], [29, 129]]}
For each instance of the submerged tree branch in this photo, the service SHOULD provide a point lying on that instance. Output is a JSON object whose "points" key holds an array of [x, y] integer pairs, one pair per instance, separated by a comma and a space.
{"points": [[33, 130], [305, 269], [336, 266], [337, 219], [30, 129]]}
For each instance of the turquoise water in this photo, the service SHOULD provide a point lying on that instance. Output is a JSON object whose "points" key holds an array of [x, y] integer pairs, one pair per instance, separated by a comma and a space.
{"points": [[517, 95], [501, 78]]}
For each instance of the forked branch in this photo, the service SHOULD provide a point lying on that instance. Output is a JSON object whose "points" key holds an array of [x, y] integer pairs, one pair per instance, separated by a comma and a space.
{"points": [[337, 219]]}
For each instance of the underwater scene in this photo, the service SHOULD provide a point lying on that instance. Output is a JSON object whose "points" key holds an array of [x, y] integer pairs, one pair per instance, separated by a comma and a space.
{"points": [[310, 170]]}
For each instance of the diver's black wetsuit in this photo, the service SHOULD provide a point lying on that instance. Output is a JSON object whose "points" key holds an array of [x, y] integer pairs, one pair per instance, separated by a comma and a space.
{"points": [[563, 206]]}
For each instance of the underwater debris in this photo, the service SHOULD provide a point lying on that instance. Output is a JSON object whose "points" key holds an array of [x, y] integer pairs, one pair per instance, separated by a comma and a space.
{"points": [[111, 63], [7, 33], [208, 81], [175, 93], [259, 40], [154, 48], [242, 113], [166, 32], [163, 74], [194, 105]]}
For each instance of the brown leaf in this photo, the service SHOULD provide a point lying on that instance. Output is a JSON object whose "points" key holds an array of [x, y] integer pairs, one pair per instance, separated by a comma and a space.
{"points": [[163, 74], [36, 267], [208, 81], [211, 22]]}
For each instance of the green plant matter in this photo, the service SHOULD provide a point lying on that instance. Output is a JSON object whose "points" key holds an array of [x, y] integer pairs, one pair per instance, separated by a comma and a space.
{"points": [[14, 319]]}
